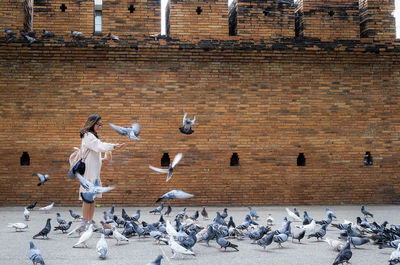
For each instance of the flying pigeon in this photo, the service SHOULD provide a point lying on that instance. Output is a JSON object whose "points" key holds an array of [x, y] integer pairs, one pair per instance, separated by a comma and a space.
{"points": [[42, 178], [47, 34], [35, 255], [47, 208], [85, 237], [365, 212], [170, 170], [32, 205], [102, 247], [19, 227], [187, 127], [132, 132], [26, 214], [92, 189], [43, 233], [157, 261], [175, 194]]}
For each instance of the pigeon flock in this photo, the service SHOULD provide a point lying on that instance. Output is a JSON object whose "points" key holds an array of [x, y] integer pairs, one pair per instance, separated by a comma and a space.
{"points": [[184, 236]]}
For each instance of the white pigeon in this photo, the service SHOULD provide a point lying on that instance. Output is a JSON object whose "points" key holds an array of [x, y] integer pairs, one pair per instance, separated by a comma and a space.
{"points": [[170, 230], [178, 249], [335, 244], [92, 189], [47, 208], [102, 247], [132, 132], [293, 215], [19, 227], [309, 228], [270, 220], [395, 254], [27, 214], [85, 237], [118, 236], [170, 170]]}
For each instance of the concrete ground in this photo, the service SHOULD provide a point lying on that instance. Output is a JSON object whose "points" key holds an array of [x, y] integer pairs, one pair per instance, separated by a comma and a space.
{"points": [[57, 250]]}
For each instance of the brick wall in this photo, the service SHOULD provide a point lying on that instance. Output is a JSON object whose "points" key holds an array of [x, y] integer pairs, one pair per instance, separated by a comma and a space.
{"points": [[263, 98]]}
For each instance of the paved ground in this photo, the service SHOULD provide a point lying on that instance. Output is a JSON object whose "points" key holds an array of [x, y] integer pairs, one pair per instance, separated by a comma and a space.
{"points": [[58, 249]]}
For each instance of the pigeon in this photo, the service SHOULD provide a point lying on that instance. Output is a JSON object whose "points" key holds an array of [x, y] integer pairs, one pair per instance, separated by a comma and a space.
{"points": [[307, 219], [330, 212], [270, 220], [92, 189], [175, 194], [158, 209], [293, 215], [76, 34], [395, 256], [320, 233], [225, 243], [29, 38], [280, 238], [189, 241], [113, 37], [42, 178], [26, 214], [365, 212], [195, 216], [125, 216], [47, 34], [9, 33], [136, 216], [253, 213], [358, 241], [335, 244], [35, 255], [170, 170], [60, 220], [32, 33], [299, 236], [132, 132], [224, 214], [140, 231], [266, 240], [74, 215], [168, 211], [47, 208], [178, 249], [296, 212], [187, 127], [63, 227], [344, 255], [119, 237], [231, 223], [204, 213], [157, 261], [102, 247], [85, 237], [43, 233], [19, 227], [32, 205], [328, 220]]}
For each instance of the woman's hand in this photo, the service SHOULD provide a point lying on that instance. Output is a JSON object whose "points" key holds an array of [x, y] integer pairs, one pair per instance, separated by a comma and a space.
{"points": [[119, 146]]}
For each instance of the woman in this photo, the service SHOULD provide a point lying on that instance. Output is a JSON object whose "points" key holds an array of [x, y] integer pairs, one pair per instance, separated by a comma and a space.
{"points": [[91, 149]]}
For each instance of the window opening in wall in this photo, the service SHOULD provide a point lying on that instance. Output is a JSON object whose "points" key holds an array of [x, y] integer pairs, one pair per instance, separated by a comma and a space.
{"points": [[331, 13], [63, 7], [199, 10], [165, 161], [396, 14], [234, 160], [98, 6], [25, 160], [301, 160], [368, 161], [232, 17], [131, 8], [165, 17]]}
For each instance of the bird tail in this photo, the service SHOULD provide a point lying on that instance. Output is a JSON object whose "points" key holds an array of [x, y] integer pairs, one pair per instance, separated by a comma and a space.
{"points": [[159, 199], [234, 246]]}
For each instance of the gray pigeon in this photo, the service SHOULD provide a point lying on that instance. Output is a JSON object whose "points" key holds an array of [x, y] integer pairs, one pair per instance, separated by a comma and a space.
{"points": [[171, 167], [9, 33], [168, 211], [157, 261], [32, 205], [224, 214], [158, 209], [204, 213], [63, 227], [35, 255], [74, 215], [42, 178], [29, 38], [187, 127], [358, 241], [344, 255], [266, 240], [365, 212], [113, 37], [299, 236], [132, 132], [60, 220], [47, 34], [320, 233], [175, 194], [225, 243], [43, 233], [253, 213], [280, 238]]}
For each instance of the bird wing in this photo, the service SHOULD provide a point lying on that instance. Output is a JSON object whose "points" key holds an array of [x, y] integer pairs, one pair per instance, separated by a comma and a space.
{"points": [[170, 230], [119, 129], [179, 194], [160, 170], [177, 158], [84, 182], [136, 128], [184, 118], [103, 189]]}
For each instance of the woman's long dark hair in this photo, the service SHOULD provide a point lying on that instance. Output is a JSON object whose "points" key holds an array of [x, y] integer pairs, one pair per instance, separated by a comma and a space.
{"points": [[89, 125]]}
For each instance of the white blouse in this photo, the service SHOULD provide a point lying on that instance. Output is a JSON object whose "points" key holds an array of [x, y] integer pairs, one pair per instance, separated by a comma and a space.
{"points": [[92, 148]]}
